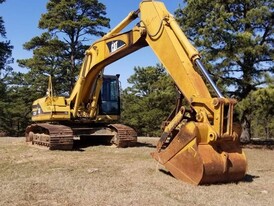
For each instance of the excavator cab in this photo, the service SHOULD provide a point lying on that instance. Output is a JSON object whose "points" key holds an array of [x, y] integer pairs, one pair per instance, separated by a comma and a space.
{"points": [[109, 98]]}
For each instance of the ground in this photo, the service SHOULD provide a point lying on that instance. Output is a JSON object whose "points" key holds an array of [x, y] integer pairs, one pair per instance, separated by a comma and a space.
{"points": [[105, 175]]}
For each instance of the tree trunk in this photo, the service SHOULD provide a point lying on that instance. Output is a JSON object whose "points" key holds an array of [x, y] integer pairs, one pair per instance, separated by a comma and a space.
{"points": [[246, 134]]}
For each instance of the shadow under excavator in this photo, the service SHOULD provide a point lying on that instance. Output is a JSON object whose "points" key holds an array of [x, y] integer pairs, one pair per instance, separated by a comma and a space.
{"points": [[144, 144], [247, 178], [260, 144], [84, 142], [166, 172]]}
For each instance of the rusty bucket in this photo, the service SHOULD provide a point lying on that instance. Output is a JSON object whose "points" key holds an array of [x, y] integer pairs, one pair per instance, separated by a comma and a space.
{"points": [[202, 163]]}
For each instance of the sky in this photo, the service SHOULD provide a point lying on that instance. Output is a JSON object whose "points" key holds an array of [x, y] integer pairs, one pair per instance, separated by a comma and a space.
{"points": [[21, 19]]}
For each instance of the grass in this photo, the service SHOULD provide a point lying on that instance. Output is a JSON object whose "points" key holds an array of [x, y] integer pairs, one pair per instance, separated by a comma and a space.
{"points": [[105, 175]]}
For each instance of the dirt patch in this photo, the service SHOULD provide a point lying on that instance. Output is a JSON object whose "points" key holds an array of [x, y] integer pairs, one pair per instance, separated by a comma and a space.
{"points": [[105, 175]]}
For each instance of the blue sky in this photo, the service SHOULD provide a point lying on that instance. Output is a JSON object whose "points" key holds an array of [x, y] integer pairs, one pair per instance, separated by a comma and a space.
{"points": [[21, 20]]}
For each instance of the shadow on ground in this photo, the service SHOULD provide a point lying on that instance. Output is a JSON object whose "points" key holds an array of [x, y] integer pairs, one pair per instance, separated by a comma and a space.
{"points": [[247, 178], [83, 143], [80, 145], [144, 144], [260, 144]]}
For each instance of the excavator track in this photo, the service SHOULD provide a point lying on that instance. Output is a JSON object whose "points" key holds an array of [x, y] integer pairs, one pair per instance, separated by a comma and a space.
{"points": [[55, 137], [125, 136], [60, 137]]}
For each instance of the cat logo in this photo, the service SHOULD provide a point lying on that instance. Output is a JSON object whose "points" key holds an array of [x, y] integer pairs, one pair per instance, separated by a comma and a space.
{"points": [[114, 46]]}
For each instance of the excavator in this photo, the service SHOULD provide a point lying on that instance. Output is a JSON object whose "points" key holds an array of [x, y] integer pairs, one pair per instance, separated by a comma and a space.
{"points": [[199, 144]]}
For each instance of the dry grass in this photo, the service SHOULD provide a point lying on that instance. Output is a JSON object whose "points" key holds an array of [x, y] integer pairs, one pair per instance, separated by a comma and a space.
{"points": [[105, 175]]}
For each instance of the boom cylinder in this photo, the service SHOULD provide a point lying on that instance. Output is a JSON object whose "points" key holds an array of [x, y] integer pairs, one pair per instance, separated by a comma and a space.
{"points": [[130, 17], [208, 78], [187, 46]]}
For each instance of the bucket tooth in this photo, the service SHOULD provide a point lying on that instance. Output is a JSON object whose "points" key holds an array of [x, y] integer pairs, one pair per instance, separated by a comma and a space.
{"points": [[194, 163]]}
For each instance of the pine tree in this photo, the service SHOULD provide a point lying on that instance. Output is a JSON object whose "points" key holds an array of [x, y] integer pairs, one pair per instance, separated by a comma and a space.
{"points": [[235, 38], [5, 69], [60, 50]]}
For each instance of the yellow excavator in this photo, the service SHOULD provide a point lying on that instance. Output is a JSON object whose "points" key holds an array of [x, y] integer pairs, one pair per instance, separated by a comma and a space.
{"points": [[199, 144]]}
